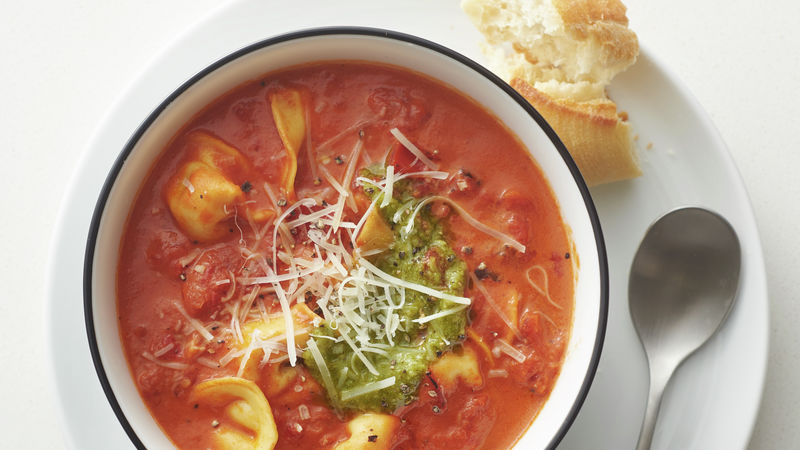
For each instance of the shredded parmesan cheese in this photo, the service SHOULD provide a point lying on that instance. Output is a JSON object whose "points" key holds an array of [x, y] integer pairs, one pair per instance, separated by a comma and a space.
{"points": [[287, 314], [543, 291], [188, 185], [497, 373], [440, 314], [493, 305], [413, 286], [362, 220], [194, 323], [231, 289], [388, 191], [167, 364], [192, 256], [506, 239], [274, 279], [343, 133], [312, 217], [367, 388], [323, 368], [413, 148], [434, 174], [307, 202], [208, 362], [348, 174], [163, 350], [509, 350], [547, 318]]}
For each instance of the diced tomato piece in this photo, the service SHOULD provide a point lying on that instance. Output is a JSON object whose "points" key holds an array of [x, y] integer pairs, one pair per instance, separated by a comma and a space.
{"points": [[201, 290], [403, 160], [516, 208]]}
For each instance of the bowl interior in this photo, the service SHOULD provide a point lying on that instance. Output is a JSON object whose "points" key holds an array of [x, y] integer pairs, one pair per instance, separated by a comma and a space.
{"points": [[363, 45]]}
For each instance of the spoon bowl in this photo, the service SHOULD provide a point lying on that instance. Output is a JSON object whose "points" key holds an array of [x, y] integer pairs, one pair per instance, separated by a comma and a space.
{"points": [[682, 286]]}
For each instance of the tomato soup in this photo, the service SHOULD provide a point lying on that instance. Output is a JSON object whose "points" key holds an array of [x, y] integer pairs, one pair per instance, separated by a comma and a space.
{"points": [[345, 255]]}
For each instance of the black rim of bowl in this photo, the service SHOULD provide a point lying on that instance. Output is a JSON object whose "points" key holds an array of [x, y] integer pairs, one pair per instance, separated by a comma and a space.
{"points": [[315, 32]]}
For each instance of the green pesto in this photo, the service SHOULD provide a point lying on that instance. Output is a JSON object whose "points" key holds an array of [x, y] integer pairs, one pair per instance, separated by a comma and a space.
{"points": [[423, 257]]}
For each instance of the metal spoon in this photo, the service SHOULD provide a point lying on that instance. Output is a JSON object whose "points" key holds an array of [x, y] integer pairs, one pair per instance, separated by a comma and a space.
{"points": [[682, 285]]}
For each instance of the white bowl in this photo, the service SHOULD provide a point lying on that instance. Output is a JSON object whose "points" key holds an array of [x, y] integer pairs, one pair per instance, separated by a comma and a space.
{"points": [[455, 70]]}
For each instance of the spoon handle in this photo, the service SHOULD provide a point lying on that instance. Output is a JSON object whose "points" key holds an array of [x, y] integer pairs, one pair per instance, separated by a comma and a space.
{"points": [[659, 377]]}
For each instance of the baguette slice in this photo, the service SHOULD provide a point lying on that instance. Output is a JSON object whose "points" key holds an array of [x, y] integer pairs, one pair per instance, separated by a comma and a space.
{"points": [[598, 140], [560, 55]]}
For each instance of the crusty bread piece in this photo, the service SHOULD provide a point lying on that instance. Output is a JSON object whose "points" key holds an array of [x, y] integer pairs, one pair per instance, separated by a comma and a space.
{"points": [[560, 55], [592, 131]]}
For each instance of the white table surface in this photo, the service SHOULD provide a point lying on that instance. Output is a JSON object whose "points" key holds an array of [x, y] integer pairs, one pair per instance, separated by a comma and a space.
{"points": [[65, 63]]}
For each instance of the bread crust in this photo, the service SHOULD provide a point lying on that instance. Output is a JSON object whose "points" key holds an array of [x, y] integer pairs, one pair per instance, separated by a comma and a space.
{"points": [[593, 132], [584, 12], [604, 21]]}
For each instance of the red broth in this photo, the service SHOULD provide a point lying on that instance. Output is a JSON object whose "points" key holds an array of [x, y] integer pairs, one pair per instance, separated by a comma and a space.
{"points": [[168, 276]]}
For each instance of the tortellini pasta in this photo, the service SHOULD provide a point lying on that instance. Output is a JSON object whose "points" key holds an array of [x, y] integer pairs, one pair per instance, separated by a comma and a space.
{"points": [[247, 420], [375, 234], [201, 195], [370, 431], [302, 318], [452, 366], [290, 119]]}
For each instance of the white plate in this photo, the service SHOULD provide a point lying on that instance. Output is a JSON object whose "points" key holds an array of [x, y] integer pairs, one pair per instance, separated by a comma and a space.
{"points": [[714, 397]]}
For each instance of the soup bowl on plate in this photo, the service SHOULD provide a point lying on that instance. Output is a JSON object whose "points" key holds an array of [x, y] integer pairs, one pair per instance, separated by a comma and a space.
{"points": [[143, 369]]}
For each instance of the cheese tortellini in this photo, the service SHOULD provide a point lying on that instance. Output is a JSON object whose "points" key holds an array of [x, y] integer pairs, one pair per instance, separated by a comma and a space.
{"points": [[279, 378], [202, 193], [452, 366], [302, 319], [247, 420], [290, 119], [375, 234], [370, 431]]}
